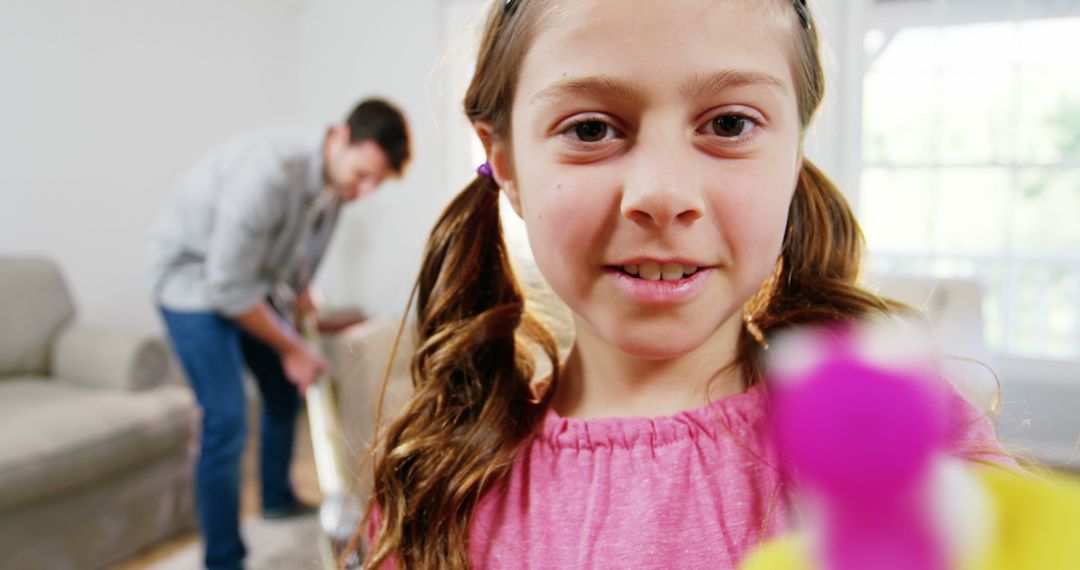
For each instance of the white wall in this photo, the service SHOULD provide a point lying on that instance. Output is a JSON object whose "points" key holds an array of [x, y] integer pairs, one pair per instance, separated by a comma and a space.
{"points": [[104, 105], [834, 141], [351, 50]]}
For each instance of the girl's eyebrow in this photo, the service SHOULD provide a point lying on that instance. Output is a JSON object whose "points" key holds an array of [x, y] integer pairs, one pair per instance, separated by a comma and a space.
{"points": [[728, 78], [597, 85], [600, 85]]}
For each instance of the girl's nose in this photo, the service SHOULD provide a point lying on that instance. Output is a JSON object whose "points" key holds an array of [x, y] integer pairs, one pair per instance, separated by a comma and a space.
{"points": [[660, 188]]}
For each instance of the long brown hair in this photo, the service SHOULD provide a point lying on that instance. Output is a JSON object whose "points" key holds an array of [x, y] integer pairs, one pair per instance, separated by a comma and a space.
{"points": [[473, 408]]}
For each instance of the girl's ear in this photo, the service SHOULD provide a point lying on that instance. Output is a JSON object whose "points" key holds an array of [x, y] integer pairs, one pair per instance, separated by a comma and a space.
{"points": [[499, 157]]}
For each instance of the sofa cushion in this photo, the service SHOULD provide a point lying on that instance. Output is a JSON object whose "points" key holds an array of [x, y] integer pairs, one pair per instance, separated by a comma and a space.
{"points": [[56, 437], [34, 305], [110, 359]]}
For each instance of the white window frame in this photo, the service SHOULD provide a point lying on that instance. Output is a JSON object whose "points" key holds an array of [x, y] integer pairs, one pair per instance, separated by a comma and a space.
{"points": [[890, 17]]}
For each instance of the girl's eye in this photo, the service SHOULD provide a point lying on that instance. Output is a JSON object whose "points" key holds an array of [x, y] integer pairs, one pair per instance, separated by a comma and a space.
{"points": [[731, 126], [591, 131]]}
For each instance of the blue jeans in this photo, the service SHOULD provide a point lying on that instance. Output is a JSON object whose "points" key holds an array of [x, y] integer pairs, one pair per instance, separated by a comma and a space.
{"points": [[214, 352]]}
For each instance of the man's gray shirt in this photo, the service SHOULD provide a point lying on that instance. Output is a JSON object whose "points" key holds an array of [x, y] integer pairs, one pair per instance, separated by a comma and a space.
{"points": [[238, 224]]}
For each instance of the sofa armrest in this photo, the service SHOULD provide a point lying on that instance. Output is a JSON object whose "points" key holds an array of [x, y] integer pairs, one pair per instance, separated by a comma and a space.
{"points": [[110, 359], [358, 358]]}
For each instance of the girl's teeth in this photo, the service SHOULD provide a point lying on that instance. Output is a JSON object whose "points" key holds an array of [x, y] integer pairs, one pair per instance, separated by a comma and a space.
{"points": [[654, 271], [672, 271], [650, 271]]}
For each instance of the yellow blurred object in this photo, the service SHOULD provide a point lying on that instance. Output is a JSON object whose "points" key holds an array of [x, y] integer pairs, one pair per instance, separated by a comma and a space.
{"points": [[1037, 526], [1038, 522], [785, 553]]}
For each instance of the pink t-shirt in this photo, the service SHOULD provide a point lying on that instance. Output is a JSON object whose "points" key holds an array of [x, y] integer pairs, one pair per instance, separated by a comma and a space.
{"points": [[699, 489]]}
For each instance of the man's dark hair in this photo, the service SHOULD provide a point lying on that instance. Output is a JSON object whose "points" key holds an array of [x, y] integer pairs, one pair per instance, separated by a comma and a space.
{"points": [[379, 121]]}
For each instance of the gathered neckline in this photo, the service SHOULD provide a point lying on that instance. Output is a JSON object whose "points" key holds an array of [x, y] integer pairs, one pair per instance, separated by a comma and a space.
{"points": [[726, 414]]}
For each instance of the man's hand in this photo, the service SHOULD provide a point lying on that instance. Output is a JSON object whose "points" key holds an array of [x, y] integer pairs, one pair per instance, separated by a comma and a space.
{"points": [[302, 365], [307, 303]]}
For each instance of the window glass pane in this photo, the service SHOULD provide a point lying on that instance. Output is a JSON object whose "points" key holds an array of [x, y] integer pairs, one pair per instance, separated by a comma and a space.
{"points": [[899, 118], [910, 50], [1045, 315], [970, 214], [1049, 90], [971, 153], [1062, 302], [1049, 115], [1066, 123], [1043, 42], [976, 108], [992, 276], [991, 46], [1025, 334], [1046, 217], [952, 267], [894, 213]]}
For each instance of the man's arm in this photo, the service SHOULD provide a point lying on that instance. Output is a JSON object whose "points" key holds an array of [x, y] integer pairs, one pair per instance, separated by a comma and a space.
{"points": [[250, 211], [310, 301], [252, 206], [301, 362]]}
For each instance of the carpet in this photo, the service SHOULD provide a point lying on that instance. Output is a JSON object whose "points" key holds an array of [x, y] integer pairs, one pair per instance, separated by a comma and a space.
{"points": [[271, 545]]}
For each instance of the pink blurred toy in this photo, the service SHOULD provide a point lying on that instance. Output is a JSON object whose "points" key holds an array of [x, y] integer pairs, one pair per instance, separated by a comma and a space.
{"points": [[860, 438]]}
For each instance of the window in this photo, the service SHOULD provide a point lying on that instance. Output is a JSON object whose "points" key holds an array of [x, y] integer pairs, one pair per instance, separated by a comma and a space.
{"points": [[971, 158]]}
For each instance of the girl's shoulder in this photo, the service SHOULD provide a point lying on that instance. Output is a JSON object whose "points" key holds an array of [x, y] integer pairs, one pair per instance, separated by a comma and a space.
{"points": [[972, 435]]}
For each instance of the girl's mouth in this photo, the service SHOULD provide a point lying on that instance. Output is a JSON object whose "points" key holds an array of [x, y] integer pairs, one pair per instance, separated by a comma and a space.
{"points": [[651, 271], [660, 284]]}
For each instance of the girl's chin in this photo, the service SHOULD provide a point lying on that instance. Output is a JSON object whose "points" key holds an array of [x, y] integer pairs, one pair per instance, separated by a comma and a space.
{"points": [[669, 338], [656, 345], [659, 337]]}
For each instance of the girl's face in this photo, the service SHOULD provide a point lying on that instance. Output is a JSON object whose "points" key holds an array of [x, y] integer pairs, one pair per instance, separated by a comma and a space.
{"points": [[654, 153]]}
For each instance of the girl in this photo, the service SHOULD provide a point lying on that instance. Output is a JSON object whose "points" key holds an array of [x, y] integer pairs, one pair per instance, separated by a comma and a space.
{"points": [[654, 151]]}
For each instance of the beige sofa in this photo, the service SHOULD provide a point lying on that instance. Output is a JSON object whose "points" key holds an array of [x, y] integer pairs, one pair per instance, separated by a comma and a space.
{"points": [[96, 441], [358, 359]]}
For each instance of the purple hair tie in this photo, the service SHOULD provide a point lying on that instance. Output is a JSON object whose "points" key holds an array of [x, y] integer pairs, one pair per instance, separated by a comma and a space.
{"points": [[484, 170]]}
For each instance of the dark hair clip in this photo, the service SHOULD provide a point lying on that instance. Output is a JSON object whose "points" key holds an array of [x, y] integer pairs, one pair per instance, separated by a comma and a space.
{"points": [[509, 5], [800, 8]]}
